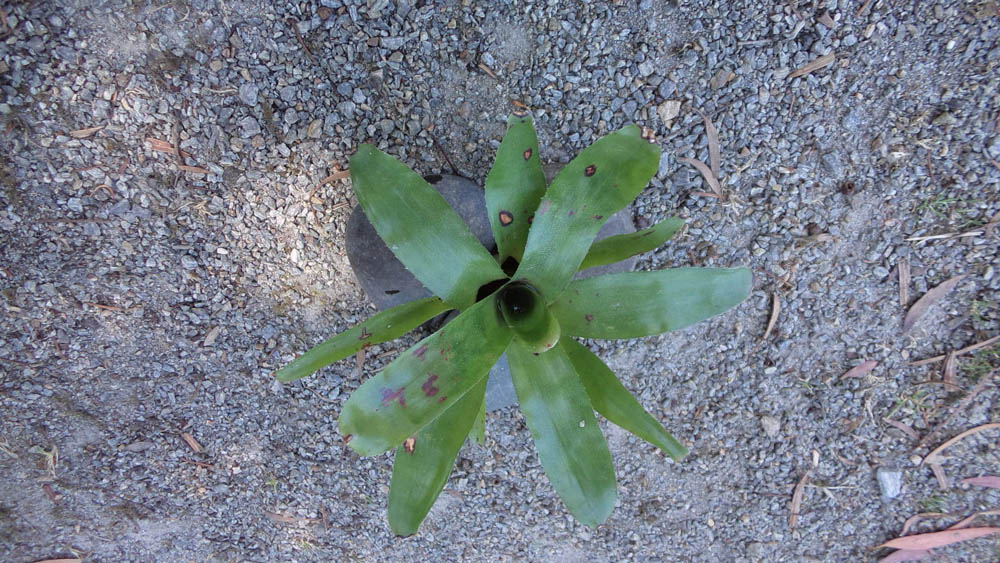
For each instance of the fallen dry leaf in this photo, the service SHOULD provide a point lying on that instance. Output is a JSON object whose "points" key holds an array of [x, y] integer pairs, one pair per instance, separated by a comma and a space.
{"points": [[948, 374], [966, 350], [860, 369], [721, 78], [987, 481], [84, 133], [918, 517], [935, 455], [706, 173], [939, 539], [338, 175], [964, 522], [940, 475], [64, 560], [906, 555], [714, 153], [163, 146], [930, 298], [793, 518], [905, 429], [210, 337], [275, 517], [813, 66], [191, 442], [775, 311], [192, 169], [904, 281]]}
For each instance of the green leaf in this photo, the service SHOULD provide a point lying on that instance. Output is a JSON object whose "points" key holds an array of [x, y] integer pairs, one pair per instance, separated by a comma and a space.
{"points": [[420, 228], [602, 179], [526, 314], [382, 327], [422, 465], [478, 432], [620, 247], [610, 398], [513, 187], [569, 442], [636, 304], [424, 381]]}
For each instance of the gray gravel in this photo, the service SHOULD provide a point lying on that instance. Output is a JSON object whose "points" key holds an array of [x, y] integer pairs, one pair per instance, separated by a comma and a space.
{"points": [[141, 304]]}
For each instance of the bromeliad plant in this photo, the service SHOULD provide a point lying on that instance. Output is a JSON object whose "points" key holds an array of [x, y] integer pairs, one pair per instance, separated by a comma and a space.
{"points": [[523, 301]]}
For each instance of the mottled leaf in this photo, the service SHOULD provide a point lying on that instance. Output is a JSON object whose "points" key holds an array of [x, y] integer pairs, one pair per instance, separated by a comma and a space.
{"points": [[420, 228], [514, 186], [382, 327], [636, 304], [425, 380], [620, 247], [602, 179], [610, 398], [424, 461], [561, 420]]}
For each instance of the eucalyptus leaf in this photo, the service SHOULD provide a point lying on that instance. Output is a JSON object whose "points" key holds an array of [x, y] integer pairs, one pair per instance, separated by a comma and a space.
{"points": [[636, 304]]}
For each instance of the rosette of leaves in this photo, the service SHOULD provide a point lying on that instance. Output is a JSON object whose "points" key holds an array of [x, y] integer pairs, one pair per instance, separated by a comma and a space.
{"points": [[523, 300]]}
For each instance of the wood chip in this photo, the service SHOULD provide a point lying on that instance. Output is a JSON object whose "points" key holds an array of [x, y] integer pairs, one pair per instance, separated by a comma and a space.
{"points": [[706, 173], [930, 298], [826, 20], [192, 169], [275, 517], [359, 360], [714, 153], [860, 370], [813, 66], [487, 70], [191, 442], [775, 311], [84, 133], [210, 337], [793, 518], [904, 281]]}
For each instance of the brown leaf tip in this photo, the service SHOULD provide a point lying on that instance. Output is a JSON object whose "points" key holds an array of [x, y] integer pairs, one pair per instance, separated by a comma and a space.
{"points": [[527, 154], [409, 444], [348, 438], [590, 170], [506, 218]]}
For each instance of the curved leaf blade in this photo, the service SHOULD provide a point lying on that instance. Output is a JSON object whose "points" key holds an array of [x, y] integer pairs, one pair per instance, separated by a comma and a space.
{"points": [[636, 304], [382, 327], [570, 445], [421, 467], [514, 186], [619, 247], [424, 381], [610, 398], [421, 228], [602, 179], [478, 432]]}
